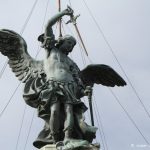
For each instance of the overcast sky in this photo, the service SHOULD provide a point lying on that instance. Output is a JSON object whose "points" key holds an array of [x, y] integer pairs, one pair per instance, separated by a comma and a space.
{"points": [[126, 26]]}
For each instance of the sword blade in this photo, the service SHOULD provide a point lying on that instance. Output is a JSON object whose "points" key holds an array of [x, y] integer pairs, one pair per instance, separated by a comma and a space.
{"points": [[76, 28]]}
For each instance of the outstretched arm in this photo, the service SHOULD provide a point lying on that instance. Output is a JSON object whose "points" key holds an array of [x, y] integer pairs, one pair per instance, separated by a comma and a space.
{"points": [[54, 19]]}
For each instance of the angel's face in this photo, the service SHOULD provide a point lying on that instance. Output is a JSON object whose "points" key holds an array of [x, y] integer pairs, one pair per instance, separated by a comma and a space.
{"points": [[67, 46]]}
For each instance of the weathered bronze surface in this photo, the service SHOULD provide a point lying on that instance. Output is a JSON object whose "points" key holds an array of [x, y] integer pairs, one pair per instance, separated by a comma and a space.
{"points": [[55, 85]]}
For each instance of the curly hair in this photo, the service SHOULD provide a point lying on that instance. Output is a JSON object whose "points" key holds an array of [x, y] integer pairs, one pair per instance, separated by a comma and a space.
{"points": [[62, 39]]}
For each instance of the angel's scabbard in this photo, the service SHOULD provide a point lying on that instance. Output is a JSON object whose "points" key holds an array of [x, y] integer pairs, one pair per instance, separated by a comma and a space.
{"points": [[91, 108]]}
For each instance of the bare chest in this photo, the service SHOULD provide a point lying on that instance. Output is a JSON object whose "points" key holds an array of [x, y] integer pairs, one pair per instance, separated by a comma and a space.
{"points": [[57, 56], [58, 66]]}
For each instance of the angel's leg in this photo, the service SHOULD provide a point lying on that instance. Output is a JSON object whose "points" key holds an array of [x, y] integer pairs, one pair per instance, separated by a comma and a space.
{"points": [[54, 120], [69, 121]]}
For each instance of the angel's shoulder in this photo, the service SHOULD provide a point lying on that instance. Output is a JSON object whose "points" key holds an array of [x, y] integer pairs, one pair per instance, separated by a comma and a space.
{"points": [[73, 63]]}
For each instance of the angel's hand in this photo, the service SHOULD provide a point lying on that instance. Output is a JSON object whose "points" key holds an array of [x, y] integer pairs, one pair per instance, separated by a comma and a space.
{"points": [[88, 91], [69, 11]]}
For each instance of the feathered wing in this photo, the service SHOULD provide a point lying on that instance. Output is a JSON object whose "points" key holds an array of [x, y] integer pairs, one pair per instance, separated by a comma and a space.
{"points": [[101, 74], [14, 47]]}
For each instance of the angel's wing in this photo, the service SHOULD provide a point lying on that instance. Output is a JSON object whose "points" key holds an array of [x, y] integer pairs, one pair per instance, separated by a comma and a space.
{"points": [[101, 74], [14, 47]]}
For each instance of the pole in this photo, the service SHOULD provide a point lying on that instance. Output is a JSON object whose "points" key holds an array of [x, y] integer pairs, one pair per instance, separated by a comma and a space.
{"points": [[90, 105], [59, 9], [91, 110]]}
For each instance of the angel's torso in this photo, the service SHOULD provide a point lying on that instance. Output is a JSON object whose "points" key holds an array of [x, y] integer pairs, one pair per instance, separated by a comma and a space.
{"points": [[58, 66]]}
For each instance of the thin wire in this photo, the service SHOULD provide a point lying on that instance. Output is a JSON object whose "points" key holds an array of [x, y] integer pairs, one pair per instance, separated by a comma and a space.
{"points": [[71, 56], [83, 59], [84, 63], [47, 4], [39, 48], [9, 100], [34, 111], [101, 124], [3, 69], [35, 57], [1, 113], [29, 130], [56, 26], [70, 3], [117, 60], [126, 77], [82, 55], [129, 116], [28, 18], [80, 47], [63, 28], [25, 105], [88, 114], [100, 133], [65, 33], [21, 32], [21, 126]]}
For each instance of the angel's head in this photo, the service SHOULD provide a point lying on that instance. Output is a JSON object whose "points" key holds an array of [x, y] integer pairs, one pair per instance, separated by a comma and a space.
{"points": [[66, 44]]}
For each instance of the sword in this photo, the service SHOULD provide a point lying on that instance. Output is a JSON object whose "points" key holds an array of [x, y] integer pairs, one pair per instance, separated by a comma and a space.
{"points": [[60, 21], [73, 20]]}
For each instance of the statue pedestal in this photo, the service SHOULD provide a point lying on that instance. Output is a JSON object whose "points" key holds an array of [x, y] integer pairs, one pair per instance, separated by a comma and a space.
{"points": [[91, 147]]}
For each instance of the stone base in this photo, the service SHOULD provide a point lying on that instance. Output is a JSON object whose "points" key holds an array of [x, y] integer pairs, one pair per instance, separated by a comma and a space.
{"points": [[90, 147]]}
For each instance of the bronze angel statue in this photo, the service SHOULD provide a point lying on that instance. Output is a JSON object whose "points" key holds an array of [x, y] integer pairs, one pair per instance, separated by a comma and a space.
{"points": [[55, 85]]}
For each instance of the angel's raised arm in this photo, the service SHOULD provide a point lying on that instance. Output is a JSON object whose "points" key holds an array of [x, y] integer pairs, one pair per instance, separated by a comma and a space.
{"points": [[54, 19], [48, 38]]}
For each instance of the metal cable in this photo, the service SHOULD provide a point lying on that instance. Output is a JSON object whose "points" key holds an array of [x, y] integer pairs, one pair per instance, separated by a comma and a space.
{"points": [[21, 32], [21, 127], [65, 33], [1, 113], [129, 116], [35, 56], [62, 26], [70, 3], [101, 124], [84, 64], [80, 47], [82, 54], [88, 113], [117, 60], [29, 130], [3, 68], [25, 105], [71, 56], [83, 59], [100, 133], [126, 77], [28, 18], [39, 48]]}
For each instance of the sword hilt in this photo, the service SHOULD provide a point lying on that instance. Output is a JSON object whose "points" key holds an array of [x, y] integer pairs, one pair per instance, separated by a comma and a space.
{"points": [[73, 19]]}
